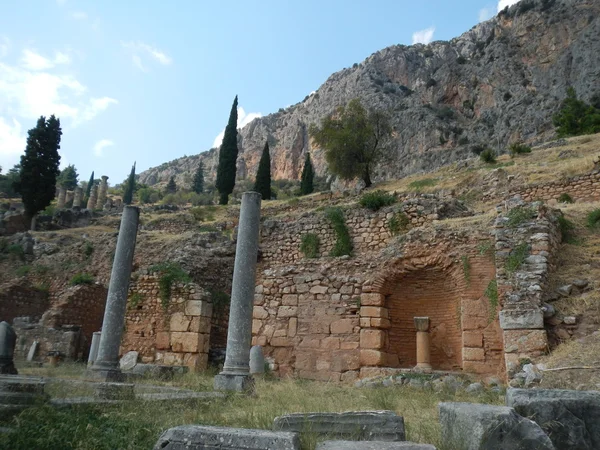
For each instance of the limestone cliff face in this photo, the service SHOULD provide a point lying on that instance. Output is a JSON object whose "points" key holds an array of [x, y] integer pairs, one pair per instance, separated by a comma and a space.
{"points": [[498, 83]]}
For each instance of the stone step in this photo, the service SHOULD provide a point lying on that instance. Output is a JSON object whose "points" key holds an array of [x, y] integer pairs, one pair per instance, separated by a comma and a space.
{"points": [[22, 384], [20, 398]]}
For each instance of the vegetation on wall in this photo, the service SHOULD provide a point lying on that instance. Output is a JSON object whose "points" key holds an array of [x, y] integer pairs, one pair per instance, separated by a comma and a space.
{"points": [[398, 223], [516, 258], [466, 267], [376, 200], [81, 278], [519, 215], [220, 301], [168, 273], [309, 245], [491, 292], [343, 243]]}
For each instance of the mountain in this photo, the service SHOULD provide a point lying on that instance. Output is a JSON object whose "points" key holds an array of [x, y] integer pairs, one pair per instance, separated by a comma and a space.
{"points": [[498, 83]]}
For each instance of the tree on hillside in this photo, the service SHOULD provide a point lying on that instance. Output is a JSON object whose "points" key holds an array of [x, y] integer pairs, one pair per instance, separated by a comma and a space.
{"points": [[129, 187], [88, 188], [39, 166], [68, 178], [198, 183], [172, 186], [263, 174], [8, 181], [308, 177], [576, 117], [228, 157], [354, 140]]}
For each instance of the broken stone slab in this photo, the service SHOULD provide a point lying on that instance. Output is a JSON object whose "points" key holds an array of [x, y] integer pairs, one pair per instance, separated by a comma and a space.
{"points": [[570, 418], [32, 351], [129, 360], [517, 319], [372, 445], [570, 320], [363, 425], [115, 391], [487, 427], [565, 290], [196, 437], [548, 310], [158, 371], [257, 360], [533, 375], [580, 284], [18, 393]]}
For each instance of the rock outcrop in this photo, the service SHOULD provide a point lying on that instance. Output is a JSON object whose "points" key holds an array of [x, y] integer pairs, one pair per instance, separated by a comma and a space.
{"points": [[498, 83]]}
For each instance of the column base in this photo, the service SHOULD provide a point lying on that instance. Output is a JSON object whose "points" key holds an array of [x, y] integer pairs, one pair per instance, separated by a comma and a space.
{"points": [[103, 374], [423, 367], [233, 382]]}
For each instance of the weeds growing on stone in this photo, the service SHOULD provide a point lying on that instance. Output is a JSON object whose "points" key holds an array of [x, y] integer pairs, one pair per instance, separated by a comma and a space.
{"points": [[398, 223], [418, 185], [593, 218], [376, 200], [309, 245], [491, 292], [135, 299], [466, 266], [88, 249], [81, 278], [566, 230], [516, 258], [343, 242], [168, 274], [220, 301], [518, 149], [565, 198], [519, 215]]}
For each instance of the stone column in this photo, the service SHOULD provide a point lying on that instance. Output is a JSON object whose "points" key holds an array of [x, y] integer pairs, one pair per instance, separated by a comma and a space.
{"points": [[94, 348], [102, 193], [91, 204], [77, 197], [423, 350], [106, 366], [62, 195], [8, 339], [236, 370], [69, 198]]}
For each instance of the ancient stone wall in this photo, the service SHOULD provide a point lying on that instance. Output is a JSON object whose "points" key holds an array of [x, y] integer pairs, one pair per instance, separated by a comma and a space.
{"points": [[67, 340], [17, 300], [176, 333]]}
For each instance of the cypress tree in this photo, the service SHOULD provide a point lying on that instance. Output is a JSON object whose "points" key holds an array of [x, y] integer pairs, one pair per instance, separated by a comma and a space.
{"points": [[308, 175], [88, 189], [172, 186], [263, 175], [129, 187], [39, 166], [198, 186], [68, 178], [227, 157]]}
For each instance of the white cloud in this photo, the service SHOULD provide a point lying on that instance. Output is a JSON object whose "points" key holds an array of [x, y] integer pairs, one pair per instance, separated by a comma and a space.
{"points": [[139, 48], [504, 3], [4, 46], [12, 143], [424, 36], [485, 14], [78, 15], [101, 145], [243, 120], [34, 61]]}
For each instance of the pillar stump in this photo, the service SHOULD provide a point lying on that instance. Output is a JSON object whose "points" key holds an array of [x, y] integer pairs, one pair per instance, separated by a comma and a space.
{"points": [[106, 364], [423, 343], [236, 370], [94, 348], [8, 340], [91, 204], [62, 197], [77, 197], [102, 192]]}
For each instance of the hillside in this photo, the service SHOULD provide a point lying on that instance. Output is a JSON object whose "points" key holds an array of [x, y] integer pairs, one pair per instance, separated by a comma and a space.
{"points": [[498, 83]]}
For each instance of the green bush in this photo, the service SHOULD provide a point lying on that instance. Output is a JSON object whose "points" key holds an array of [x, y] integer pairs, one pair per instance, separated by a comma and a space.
{"points": [[203, 213], [491, 292], [343, 243], [488, 156], [135, 299], [88, 249], [377, 199], [398, 223], [168, 274], [565, 198], [566, 230], [576, 117], [23, 270], [519, 215], [15, 251], [478, 149], [81, 278], [516, 258], [310, 245], [220, 301], [418, 185], [593, 218], [518, 149]]}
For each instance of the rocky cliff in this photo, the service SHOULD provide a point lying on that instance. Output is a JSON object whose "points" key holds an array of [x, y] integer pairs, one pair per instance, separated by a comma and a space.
{"points": [[498, 83]]}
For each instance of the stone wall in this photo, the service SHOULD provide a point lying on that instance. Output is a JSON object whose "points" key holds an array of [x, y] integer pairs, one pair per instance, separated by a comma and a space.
{"points": [[17, 300], [68, 340], [175, 334]]}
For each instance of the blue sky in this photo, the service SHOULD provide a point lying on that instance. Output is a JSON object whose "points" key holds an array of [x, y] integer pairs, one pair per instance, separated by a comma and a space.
{"points": [[150, 81]]}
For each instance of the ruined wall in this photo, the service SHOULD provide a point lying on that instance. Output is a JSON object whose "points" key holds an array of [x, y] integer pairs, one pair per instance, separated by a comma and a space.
{"points": [[178, 334], [17, 300]]}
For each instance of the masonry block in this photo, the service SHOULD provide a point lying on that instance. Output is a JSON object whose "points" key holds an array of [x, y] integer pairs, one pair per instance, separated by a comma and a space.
{"points": [[374, 311], [531, 342], [372, 299], [371, 357], [373, 339]]}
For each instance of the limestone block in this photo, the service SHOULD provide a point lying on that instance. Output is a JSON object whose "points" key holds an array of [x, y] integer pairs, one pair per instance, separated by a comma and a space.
{"points": [[128, 360], [318, 290], [198, 308], [364, 425], [371, 357], [373, 339], [522, 319], [342, 326], [292, 326], [196, 437], [344, 360], [200, 324], [532, 342], [259, 313], [473, 354], [372, 299], [163, 340], [371, 445], [256, 325], [173, 359], [179, 322], [187, 342], [374, 311], [280, 342], [196, 361], [287, 311], [384, 324], [290, 300], [472, 339]]}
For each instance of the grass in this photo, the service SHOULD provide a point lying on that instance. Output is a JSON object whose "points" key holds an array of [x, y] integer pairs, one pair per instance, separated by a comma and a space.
{"points": [[376, 200], [169, 273], [309, 245], [593, 218], [418, 185], [81, 278], [343, 243], [398, 223], [519, 215], [137, 425], [516, 258]]}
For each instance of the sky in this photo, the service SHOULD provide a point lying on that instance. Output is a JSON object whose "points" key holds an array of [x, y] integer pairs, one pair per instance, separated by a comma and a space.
{"points": [[149, 81]]}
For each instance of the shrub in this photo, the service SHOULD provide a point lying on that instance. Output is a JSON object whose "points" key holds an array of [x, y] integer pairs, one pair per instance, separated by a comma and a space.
{"points": [[516, 258], [593, 218], [88, 249], [418, 185], [566, 230], [398, 223], [81, 278], [23, 270], [310, 245], [565, 198], [488, 156], [477, 149], [491, 292], [220, 301], [576, 117], [463, 140], [518, 149], [430, 83], [15, 251], [461, 60], [468, 104], [377, 199], [343, 243], [445, 113], [135, 299], [203, 213], [168, 274], [519, 215], [507, 96]]}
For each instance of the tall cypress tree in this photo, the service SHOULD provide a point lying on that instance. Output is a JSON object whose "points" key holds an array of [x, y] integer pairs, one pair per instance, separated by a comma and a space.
{"points": [[263, 175], [88, 189], [129, 187], [308, 176], [39, 166], [227, 157], [171, 185], [198, 184]]}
